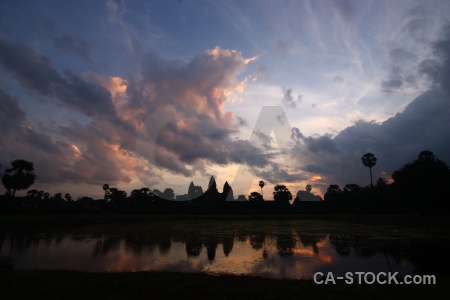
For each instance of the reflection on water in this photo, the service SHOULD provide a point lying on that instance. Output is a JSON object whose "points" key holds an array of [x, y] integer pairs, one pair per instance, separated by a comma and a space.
{"points": [[285, 254]]}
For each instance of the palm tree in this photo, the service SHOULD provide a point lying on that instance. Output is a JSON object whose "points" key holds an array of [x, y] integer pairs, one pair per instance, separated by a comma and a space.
{"points": [[19, 177], [261, 185], [106, 188], [369, 160], [308, 188]]}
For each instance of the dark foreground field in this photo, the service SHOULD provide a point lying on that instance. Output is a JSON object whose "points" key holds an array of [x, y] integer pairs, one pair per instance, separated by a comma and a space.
{"points": [[160, 285]]}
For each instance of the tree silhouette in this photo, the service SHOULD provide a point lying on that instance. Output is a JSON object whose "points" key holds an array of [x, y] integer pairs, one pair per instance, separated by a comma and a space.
{"points": [[19, 177], [168, 194], [282, 195], [261, 185], [426, 171], [107, 193], [331, 196], [157, 192], [285, 244], [308, 188], [68, 197], [35, 194], [136, 194], [369, 160], [333, 189], [117, 195], [255, 197], [351, 187]]}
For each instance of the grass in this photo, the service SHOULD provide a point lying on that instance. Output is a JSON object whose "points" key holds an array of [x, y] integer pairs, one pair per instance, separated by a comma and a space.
{"points": [[39, 284]]}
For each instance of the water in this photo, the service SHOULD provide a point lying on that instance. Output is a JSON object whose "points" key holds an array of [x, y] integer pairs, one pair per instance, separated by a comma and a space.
{"points": [[268, 251]]}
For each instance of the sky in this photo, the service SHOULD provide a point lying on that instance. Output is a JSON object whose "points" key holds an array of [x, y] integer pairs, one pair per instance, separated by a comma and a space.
{"points": [[159, 93]]}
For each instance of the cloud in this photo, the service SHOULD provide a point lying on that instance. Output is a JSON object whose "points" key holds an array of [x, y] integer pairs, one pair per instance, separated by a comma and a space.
{"points": [[11, 114], [344, 8], [198, 133], [37, 75], [438, 69], [197, 130], [93, 153], [400, 55], [78, 155], [73, 44], [296, 134], [406, 71], [288, 99], [423, 125], [323, 144], [395, 80], [240, 121], [280, 173]]}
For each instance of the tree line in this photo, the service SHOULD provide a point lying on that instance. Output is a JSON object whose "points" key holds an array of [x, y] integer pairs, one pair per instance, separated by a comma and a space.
{"points": [[418, 186]]}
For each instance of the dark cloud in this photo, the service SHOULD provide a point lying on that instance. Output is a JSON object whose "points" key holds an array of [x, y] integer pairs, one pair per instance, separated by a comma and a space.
{"points": [[438, 69], [93, 153], [36, 74], [399, 78], [188, 148], [11, 114], [393, 83], [275, 173], [33, 71], [87, 158], [41, 142], [296, 134], [73, 44], [422, 125], [317, 169], [323, 144]]}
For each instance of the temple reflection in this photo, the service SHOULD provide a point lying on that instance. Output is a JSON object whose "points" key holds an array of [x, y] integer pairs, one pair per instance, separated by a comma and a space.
{"points": [[289, 253]]}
